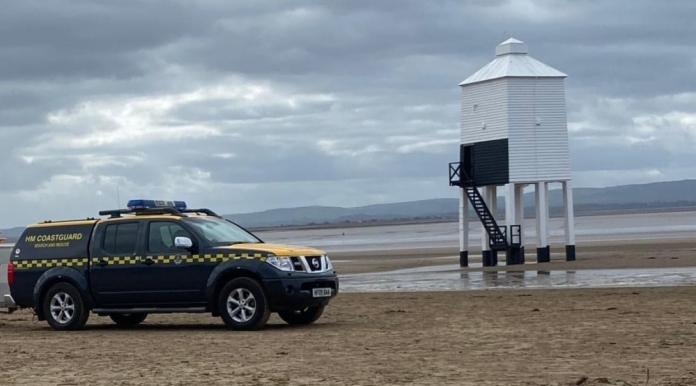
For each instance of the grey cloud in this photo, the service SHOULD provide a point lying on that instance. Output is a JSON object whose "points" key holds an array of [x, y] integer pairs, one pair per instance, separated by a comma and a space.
{"points": [[223, 110], [16, 175], [309, 165], [639, 156], [90, 39], [392, 73]]}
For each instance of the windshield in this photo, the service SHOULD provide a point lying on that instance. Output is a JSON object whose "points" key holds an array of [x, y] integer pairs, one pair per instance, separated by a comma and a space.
{"points": [[218, 231]]}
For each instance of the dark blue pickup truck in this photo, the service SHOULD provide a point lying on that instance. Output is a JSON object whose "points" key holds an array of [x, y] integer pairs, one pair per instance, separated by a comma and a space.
{"points": [[162, 257]]}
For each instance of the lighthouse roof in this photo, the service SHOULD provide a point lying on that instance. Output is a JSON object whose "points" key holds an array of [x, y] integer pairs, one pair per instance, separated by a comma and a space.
{"points": [[512, 60]]}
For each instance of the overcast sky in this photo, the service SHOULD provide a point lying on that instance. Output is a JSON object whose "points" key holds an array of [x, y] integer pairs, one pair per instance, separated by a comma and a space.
{"points": [[250, 105]]}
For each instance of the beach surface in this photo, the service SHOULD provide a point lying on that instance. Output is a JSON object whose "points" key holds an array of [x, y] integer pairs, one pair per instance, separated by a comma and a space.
{"points": [[519, 337], [623, 313]]}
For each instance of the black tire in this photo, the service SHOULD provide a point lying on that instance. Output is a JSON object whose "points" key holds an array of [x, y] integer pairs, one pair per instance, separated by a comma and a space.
{"points": [[128, 320], [71, 299], [308, 315], [238, 317]]}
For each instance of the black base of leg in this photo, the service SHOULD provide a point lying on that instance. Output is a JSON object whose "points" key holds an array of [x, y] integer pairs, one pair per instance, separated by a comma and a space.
{"points": [[570, 252], [463, 258], [494, 258], [514, 256], [487, 258], [544, 254]]}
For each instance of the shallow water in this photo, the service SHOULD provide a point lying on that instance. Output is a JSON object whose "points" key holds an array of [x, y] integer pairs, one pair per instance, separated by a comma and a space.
{"points": [[451, 278], [587, 229]]}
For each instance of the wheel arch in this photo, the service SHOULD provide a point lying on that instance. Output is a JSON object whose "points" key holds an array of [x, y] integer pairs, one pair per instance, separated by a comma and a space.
{"points": [[60, 275], [223, 276]]}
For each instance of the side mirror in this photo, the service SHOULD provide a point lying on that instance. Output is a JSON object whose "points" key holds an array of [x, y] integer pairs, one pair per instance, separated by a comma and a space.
{"points": [[183, 242]]}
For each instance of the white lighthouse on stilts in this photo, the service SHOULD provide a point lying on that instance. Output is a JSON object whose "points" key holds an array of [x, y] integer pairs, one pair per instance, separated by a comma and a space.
{"points": [[514, 133]]}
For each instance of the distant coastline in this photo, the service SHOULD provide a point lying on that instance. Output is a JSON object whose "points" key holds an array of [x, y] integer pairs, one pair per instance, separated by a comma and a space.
{"points": [[658, 197], [455, 219], [434, 220]]}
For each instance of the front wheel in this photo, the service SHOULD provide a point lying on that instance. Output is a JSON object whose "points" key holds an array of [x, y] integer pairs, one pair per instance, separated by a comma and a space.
{"points": [[128, 320], [308, 315], [64, 308], [243, 305]]}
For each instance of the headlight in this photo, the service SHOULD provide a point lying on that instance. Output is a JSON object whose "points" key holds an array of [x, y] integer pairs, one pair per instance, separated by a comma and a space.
{"points": [[328, 262], [283, 263]]}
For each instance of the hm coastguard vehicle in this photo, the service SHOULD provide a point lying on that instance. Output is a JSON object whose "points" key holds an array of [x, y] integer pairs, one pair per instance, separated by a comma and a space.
{"points": [[162, 257]]}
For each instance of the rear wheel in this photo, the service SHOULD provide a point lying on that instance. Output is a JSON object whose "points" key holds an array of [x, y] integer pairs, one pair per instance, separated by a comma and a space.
{"points": [[128, 320], [243, 305], [64, 308], [307, 315]]}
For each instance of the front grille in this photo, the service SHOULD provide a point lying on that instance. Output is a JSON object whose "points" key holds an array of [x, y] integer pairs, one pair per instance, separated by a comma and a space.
{"points": [[297, 264], [314, 263]]}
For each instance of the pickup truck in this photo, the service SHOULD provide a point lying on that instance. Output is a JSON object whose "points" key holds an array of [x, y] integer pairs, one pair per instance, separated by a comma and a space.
{"points": [[162, 257], [4, 287]]}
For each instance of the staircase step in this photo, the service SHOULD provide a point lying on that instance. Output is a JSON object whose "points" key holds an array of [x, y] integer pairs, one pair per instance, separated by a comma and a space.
{"points": [[497, 239]]}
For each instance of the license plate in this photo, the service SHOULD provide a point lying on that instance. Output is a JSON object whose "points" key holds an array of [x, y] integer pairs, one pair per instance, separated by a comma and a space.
{"points": [[321, 292]]}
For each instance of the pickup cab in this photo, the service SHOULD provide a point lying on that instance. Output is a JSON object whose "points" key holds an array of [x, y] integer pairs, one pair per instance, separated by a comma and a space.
{"points": [[161, 257]]}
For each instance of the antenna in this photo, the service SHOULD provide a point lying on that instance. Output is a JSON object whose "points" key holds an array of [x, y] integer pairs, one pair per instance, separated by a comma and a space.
{"points": [[118, 197], [505, 33]]}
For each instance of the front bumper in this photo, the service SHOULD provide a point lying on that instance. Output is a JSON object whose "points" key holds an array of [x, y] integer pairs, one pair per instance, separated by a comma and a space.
{"points": [[296, 292]]}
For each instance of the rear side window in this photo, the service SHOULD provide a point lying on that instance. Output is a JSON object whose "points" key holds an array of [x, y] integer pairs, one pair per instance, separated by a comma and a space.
{"points": [[120, 239]]}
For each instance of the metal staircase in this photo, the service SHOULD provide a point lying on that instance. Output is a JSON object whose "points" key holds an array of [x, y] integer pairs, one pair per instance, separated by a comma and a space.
{"points": [[497, 237]]}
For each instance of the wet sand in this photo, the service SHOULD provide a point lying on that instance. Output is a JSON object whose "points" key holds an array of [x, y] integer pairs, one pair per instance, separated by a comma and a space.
{"points": [[540, 337], [659, 253]]}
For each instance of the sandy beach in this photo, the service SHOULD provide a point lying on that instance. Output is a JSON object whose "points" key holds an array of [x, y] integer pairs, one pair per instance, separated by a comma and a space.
{"points": [[595, 336], [540, 337]]}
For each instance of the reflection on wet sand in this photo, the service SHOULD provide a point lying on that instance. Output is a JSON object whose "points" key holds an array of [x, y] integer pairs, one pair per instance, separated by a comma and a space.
{"points": [[522, 279], [447, 279]]}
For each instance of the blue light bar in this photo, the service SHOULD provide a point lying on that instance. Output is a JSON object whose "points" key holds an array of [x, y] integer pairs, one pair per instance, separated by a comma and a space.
{"points": [[150, 204]]}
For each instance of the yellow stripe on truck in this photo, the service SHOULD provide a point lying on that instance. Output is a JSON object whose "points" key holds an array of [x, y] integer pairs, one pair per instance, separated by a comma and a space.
{"points": [[130, 260]]}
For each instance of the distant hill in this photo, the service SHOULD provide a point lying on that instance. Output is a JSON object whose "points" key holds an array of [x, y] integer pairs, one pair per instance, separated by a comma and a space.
{"points": [[425, 209], [638, 197], [675, 192], [660, 195], [12, 233]]}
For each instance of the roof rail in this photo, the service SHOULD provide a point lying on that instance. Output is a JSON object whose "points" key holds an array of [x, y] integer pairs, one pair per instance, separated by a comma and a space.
{"points": [[71, 220], [154, 211], [201, 210], [151, 211]]}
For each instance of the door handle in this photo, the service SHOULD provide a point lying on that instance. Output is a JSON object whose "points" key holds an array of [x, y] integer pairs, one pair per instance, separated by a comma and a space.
{"points": [[148, 261], [103, 263]]}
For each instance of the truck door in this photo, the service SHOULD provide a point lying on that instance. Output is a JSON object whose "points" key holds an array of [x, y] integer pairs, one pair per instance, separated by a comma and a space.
{"points": [[114, 264], [174, 278]]}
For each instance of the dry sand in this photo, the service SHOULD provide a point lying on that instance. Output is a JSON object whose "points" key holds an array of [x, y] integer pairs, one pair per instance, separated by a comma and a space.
{"points": [[468, 338], [497, 337]]}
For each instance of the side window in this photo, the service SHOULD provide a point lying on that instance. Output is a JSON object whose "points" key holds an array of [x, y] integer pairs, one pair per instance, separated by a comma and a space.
{"points": [[161, 235], [120, 239]]}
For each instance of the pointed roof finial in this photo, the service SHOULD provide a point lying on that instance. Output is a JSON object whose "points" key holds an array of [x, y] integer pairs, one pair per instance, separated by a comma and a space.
{"points": [[511, 46], [512, 61]]}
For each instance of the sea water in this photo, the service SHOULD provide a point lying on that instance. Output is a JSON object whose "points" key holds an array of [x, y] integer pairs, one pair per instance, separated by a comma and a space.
{"points": [[587, 228]]}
